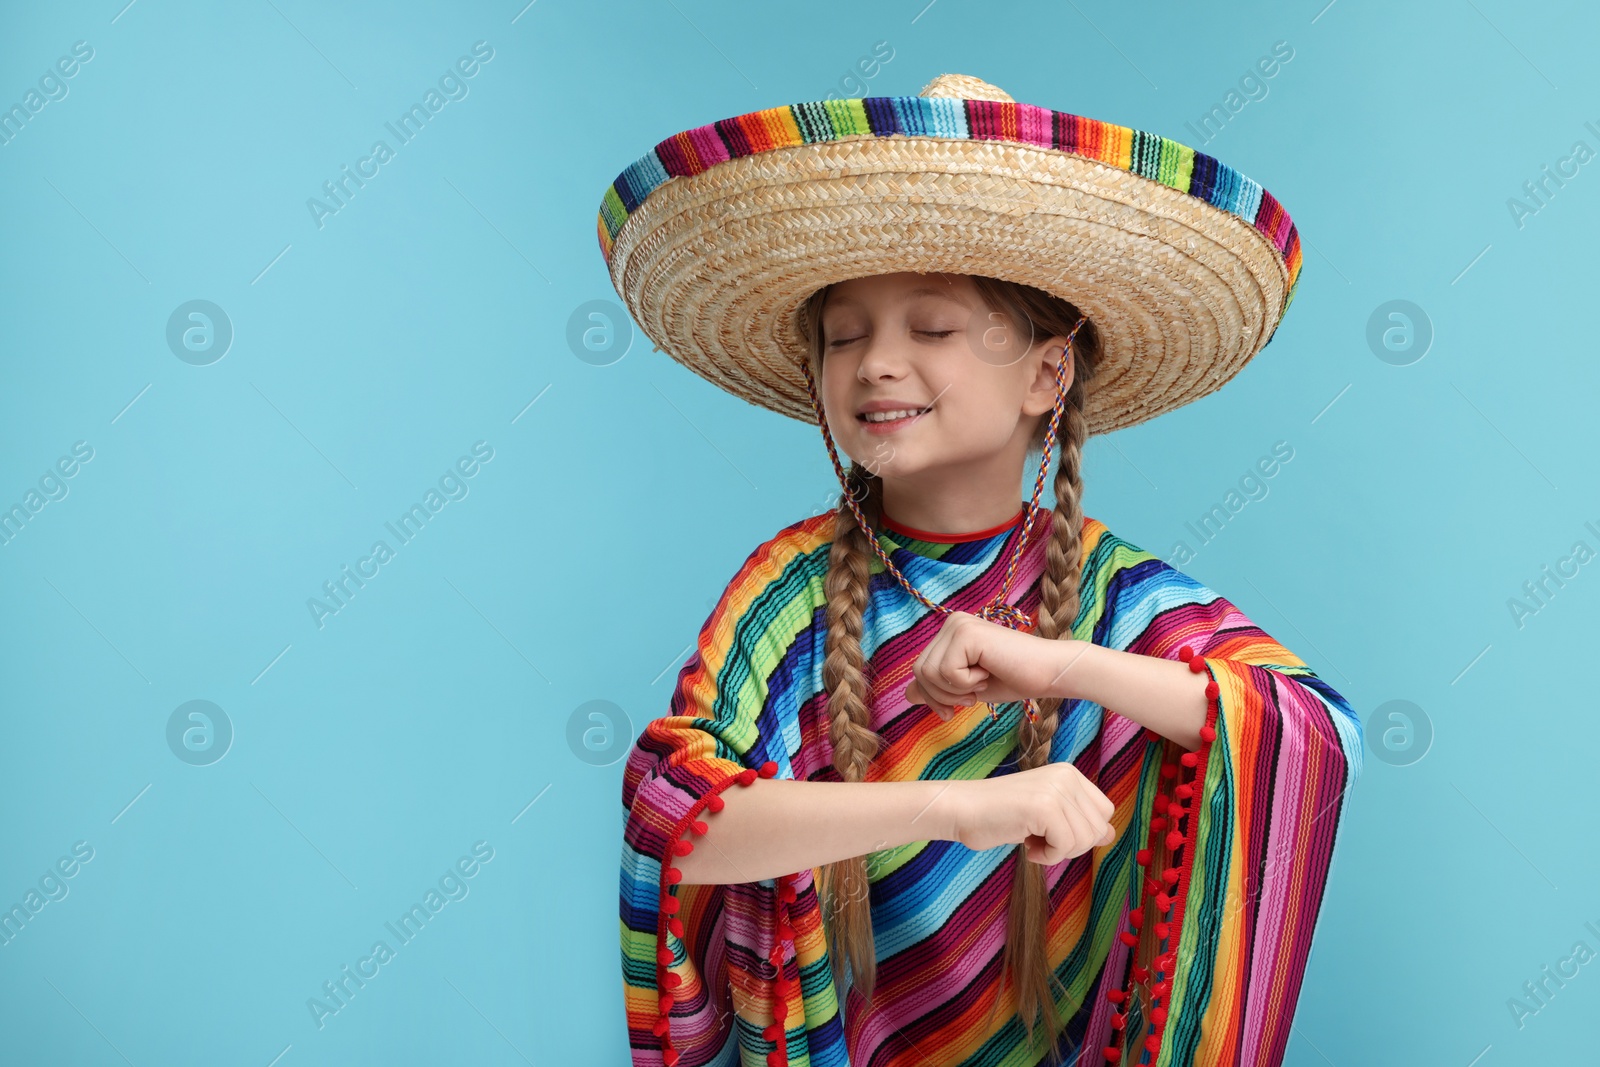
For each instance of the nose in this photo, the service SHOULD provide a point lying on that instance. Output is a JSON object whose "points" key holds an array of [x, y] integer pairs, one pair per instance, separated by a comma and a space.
{"points": [[883, 359]]}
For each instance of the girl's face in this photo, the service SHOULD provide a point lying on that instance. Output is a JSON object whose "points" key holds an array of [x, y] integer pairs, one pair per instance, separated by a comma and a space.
{"points": [[920, 377]]}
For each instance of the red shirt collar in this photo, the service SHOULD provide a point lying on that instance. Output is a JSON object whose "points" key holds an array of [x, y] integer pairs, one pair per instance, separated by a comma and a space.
{"points": [[950, 538]]}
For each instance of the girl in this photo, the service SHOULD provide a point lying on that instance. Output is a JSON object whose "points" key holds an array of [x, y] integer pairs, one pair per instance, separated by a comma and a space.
{"points": [[949, 848]]}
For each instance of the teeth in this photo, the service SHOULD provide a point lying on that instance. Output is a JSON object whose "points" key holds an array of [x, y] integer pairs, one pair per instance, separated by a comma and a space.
{"points": [[889, 416]]}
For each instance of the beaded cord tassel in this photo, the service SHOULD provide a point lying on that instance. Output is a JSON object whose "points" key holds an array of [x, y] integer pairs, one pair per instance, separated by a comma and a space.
{"points": [[997, 610], [1173, 888]]}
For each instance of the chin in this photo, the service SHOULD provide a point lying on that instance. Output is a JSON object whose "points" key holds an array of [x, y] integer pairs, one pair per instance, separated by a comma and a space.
{"points": [[888, 462]]}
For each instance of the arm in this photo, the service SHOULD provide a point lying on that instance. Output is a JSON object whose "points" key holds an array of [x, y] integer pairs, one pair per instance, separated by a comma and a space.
{"points": [[777, 826], [1163, 695]]}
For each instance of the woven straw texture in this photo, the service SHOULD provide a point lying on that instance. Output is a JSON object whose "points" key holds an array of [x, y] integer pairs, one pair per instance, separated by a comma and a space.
{"points": [[717, 237]]}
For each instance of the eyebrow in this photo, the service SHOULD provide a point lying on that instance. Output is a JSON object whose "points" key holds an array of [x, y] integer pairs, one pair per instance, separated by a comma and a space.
{"points": [[947, 293]]}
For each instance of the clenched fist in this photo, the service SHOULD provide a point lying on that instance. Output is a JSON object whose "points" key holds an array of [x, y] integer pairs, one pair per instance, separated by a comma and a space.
{"points": [[1053, 810], [972, 659]]}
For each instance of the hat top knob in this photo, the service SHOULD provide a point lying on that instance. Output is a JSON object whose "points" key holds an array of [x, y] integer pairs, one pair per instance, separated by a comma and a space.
{"points": [[965, 86]]}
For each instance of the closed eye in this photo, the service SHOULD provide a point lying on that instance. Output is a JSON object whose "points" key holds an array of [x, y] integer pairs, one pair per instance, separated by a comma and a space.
{"points": [[840, 342]]}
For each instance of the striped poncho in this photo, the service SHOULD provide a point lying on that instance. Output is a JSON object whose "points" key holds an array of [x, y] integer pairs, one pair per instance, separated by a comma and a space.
{"points": [[741, 974]]}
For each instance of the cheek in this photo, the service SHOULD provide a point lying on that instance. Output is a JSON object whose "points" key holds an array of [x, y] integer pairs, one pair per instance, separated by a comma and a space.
{"points": [[833, 385], [833, 389]]}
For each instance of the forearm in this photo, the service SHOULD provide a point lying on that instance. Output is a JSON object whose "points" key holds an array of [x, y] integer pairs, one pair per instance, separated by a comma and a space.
{"points": [[1161, 694], [775, 826]]}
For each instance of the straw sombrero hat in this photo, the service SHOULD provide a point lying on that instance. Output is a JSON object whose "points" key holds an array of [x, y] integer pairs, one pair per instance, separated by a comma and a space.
{"points": [[716, 238]]}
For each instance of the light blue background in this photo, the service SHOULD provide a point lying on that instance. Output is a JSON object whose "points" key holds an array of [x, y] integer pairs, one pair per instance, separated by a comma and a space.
{"points": [[432, 311]]}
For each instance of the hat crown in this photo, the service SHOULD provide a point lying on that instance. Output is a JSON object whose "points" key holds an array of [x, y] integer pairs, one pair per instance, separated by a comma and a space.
{"points": [[965, 86]]}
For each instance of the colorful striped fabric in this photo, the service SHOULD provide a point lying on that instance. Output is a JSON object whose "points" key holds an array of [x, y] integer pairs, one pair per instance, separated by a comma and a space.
{"points": [[1139, 152], [750, 702]]}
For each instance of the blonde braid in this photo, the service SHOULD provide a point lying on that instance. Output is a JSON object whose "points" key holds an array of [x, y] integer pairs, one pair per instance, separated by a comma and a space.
{"points": [[1026, 955], [845, 885]]}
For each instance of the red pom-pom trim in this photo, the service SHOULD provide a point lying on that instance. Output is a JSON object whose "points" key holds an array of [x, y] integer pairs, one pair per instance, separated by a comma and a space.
{"points": [[1167, 898], [669, 923]]}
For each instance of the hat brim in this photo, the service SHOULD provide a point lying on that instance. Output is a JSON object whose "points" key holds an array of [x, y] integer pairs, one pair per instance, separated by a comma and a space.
{"points": [[715, 265]]}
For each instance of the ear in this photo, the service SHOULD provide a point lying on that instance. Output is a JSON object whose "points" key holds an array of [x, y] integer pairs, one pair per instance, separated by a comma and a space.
{"points": [[1041, 395]]}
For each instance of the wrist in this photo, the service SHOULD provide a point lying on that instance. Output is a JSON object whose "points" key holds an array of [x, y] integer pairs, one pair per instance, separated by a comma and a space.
{"points": [[1069, 667], [942, 810]]}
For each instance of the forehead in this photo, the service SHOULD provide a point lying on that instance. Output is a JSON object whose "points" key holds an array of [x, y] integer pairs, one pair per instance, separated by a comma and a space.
{"points": [[881, 290]]}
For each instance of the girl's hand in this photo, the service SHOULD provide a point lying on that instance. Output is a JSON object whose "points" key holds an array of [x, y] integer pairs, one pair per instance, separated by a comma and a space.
{"points": [[1053, 811], [972, 660]]}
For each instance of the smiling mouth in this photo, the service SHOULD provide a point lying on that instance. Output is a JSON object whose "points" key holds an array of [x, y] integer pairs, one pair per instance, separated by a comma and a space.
{"points": [[890, 418]]}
